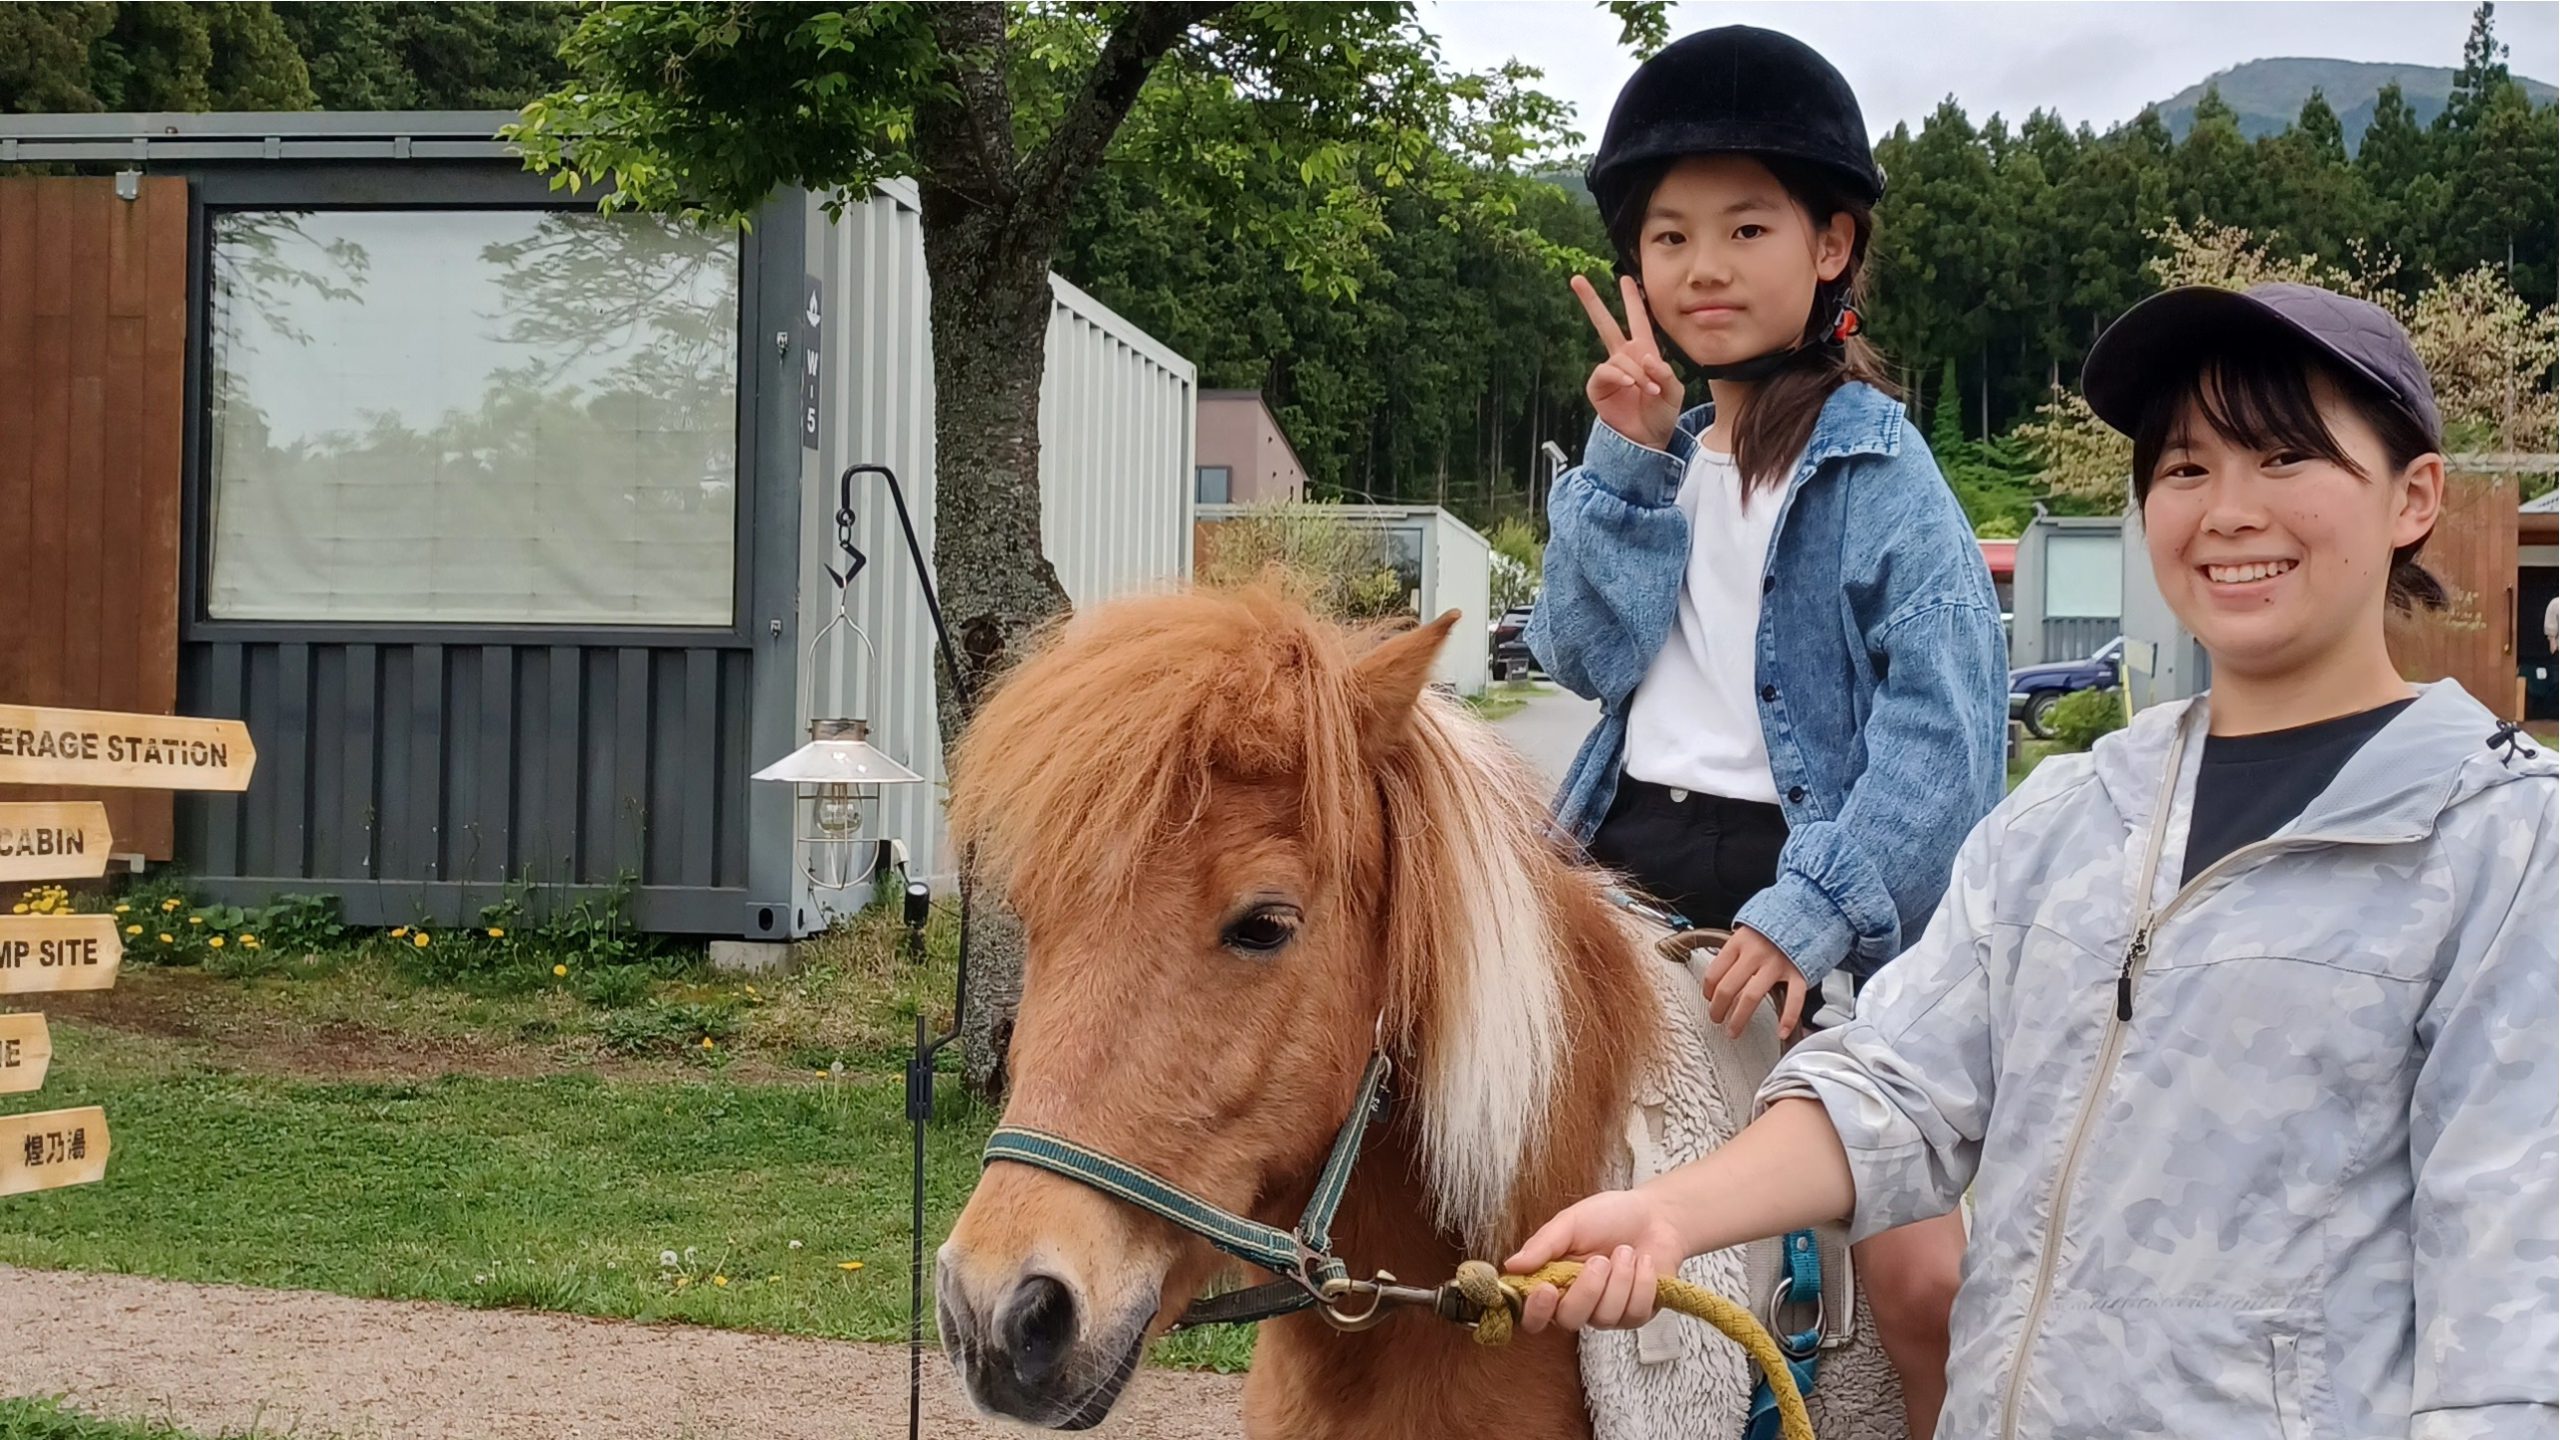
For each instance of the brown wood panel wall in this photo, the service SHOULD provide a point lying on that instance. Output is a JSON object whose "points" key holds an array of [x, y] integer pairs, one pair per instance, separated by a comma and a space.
{"points": [[93, 337], [2473, 640]]}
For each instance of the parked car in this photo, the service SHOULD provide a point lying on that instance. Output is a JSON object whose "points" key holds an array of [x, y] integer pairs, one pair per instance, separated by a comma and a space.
{"points": [[2035, 689], [1511, 657]]}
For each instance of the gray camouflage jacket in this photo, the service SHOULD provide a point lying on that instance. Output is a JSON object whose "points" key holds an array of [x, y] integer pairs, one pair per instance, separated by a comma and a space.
{"points": [[2272, 1152]]}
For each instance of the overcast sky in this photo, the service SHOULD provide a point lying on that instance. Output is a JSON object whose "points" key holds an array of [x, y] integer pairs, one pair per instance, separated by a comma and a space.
{"points": [[2094, 60]]}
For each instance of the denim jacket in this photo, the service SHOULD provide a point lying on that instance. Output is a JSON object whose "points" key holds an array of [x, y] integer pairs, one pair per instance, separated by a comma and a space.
{"points": [[1883, 674]]}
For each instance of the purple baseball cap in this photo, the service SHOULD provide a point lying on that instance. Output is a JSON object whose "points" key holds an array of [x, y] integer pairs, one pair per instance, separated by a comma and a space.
{"points": [[2142, 350]]}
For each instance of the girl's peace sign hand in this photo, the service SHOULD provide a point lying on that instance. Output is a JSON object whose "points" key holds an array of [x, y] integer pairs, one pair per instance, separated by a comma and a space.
{"points": [[1633, 390]]}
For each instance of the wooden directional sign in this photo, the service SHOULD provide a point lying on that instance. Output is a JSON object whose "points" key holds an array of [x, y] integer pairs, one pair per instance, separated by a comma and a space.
{"points": [[58, 952], [52, 1147], [53, 840], [41, 746], [26, 1050]]}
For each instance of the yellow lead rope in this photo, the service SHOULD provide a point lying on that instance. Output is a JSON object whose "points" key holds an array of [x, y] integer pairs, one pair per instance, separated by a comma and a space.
{"points": [[1499, 1297]]}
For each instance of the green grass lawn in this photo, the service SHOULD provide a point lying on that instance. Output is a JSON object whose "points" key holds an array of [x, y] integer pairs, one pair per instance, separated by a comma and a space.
{"points": [[27, 1419], [563, 1192], [1505, 697], [346, 1121], [779, 1206]]}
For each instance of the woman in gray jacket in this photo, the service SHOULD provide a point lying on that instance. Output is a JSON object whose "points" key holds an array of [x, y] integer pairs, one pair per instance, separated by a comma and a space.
{"points": [[2240, 1030]]}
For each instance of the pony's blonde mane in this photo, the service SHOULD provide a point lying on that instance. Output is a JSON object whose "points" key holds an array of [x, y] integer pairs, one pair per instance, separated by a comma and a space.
{"points": [[1102, 749]]}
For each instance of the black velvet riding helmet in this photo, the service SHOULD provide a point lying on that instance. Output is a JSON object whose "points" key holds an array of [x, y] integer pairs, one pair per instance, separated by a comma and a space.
{"points": [[1735, 89]]}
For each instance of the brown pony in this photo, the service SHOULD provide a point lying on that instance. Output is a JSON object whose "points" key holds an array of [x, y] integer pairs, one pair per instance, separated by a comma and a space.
{"points": [[1244, 844]]}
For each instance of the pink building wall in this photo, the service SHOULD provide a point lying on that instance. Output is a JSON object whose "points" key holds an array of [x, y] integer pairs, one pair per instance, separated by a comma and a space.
{"points": [[1239, 432]]}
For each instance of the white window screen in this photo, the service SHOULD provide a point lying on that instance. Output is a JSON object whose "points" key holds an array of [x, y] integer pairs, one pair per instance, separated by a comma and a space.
{"points": [[2083, 576], [473, 416]]}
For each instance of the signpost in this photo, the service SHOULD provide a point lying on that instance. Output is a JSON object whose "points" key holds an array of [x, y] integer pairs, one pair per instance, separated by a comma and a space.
{"points": [[68, 840], [53, 840], [52, 1148], [58, 952], [26, 1048], [44, 746]]}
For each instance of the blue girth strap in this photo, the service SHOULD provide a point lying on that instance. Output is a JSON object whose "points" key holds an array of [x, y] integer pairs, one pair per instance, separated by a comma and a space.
{"points": [[1804, 1347]]}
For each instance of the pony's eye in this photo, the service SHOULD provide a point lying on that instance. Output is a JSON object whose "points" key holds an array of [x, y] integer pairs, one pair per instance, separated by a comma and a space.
{"points": [[1262, 930]]}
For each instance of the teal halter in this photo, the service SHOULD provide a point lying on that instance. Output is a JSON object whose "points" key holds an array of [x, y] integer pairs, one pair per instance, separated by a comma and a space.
{"points": [[1310, 1274]]}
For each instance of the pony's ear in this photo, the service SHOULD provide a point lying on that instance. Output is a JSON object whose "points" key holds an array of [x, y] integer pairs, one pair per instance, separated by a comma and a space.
{"points": [[1390, 679]]}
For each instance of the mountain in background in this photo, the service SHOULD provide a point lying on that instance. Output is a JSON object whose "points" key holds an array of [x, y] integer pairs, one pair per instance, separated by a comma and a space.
{"points": [[2269, 94]]}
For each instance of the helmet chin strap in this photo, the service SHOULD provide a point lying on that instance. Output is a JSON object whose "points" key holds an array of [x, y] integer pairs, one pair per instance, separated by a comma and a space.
{"points": [[1757, 368], [1845, 322]]}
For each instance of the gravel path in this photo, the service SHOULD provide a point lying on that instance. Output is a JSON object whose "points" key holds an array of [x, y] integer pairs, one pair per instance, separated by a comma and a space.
{"points": [[219, 1358]]}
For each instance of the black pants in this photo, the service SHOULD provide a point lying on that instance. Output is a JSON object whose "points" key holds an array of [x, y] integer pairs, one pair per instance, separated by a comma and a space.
{"points": [[1702, 855]]}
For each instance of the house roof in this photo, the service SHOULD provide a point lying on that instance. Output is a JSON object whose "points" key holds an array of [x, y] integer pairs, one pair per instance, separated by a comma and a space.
{"points": [[259, 135]]}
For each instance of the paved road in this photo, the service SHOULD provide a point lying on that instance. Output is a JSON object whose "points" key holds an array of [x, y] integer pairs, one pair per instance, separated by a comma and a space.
{"points": [[1549, 729]]}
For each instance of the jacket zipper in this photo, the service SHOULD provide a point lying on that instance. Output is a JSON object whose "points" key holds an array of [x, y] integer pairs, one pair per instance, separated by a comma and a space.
{"points": [[2137, 956]]}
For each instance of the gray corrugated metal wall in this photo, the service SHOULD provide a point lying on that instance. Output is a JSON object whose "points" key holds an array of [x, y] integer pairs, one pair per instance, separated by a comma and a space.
{"points": [[428, 776], [1118, 436], [2035, 637], [415, 771], [1117, 431]]}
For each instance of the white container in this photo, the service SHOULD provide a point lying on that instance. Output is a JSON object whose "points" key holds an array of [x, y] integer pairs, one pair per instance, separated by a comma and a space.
{"points": [[1116, 443]]}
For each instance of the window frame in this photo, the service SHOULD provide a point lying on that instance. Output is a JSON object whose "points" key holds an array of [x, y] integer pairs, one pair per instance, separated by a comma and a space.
{"points": [[2059, 546], [426, 186]]}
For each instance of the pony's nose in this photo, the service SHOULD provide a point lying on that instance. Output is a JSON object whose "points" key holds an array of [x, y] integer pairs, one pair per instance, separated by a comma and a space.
{"points": [[1038, 1329]]}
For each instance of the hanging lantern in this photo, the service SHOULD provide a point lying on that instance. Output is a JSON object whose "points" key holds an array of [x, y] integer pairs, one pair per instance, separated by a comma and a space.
{"points": [[836, 778]]}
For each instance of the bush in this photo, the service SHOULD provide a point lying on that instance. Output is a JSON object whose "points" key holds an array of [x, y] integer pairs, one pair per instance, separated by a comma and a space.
{"points": [[2084, 715], [1342, 570], [302, 923], [1517, 562]]}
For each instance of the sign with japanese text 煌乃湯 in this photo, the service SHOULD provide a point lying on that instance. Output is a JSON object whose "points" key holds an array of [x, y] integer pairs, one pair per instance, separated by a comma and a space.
{"points": [[52, 1147]]}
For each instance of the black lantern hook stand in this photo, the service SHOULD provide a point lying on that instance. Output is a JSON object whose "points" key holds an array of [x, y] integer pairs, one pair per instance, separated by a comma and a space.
{"points": [[917, 909]]}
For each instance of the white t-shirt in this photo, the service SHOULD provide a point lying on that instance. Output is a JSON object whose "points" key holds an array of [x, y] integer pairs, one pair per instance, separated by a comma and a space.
{"points": [[1695, 721]]}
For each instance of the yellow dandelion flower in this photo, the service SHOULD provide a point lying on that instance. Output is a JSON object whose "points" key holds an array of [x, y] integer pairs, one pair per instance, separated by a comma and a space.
{"points": [[248, 939], [122, 908], [195, 919], [848, 1264], [400, 934], [133, 929], [720, 1280], [497, 933], [683, 1280], [166, 938], [419, 939], [706, 1042], [169, 904], [18, 909], [559, 969], [215, 942]]}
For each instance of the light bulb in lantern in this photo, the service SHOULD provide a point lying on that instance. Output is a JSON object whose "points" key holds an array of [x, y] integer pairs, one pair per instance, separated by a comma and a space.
{"points": [[839, 810]]}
